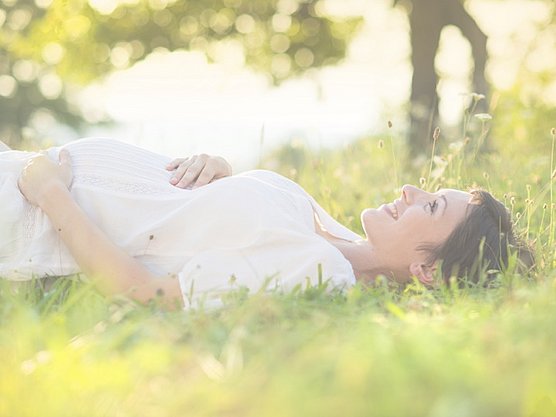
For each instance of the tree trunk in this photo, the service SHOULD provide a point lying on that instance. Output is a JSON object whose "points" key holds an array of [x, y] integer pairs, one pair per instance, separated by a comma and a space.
{"points": [[427, 19]]}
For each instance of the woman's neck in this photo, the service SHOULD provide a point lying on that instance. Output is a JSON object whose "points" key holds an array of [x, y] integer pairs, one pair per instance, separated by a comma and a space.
{"points": [[358, 253]]}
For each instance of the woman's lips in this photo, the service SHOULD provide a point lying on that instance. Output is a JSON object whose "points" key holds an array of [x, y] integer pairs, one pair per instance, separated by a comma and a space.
{"points": [[392, 210]]}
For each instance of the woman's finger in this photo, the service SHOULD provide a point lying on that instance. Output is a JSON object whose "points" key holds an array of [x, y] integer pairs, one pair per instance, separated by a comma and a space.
{"points": [[206, 176], [65, 163], [175, 163], [192, 173], [181, 169], [65, 158]]}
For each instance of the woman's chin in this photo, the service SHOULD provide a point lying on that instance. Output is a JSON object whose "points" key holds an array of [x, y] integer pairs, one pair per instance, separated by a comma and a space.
{"points": [[368, 218]]}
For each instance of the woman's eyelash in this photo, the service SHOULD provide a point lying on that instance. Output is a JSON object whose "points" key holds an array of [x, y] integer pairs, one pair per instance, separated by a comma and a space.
{"points": [[433, 206]]}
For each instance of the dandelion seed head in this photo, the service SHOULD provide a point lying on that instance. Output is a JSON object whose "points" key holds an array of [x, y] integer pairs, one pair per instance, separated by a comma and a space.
{"points": [[43, 357], [483, 117], [28, 367]]}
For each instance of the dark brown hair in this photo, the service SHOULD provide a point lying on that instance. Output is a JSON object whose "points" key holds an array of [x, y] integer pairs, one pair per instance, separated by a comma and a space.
{"points": [[482, 244]]}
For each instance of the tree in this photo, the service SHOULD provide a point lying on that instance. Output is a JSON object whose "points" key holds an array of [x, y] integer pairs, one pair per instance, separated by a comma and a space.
{"points": [[46, 46], [427, 18]]}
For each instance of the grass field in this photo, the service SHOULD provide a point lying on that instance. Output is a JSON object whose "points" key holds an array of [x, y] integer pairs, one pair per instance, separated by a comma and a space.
{"points": [[373, 351]]}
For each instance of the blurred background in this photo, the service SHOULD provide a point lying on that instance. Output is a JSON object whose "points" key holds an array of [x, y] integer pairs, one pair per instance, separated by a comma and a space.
{"points": [[240, 78]]}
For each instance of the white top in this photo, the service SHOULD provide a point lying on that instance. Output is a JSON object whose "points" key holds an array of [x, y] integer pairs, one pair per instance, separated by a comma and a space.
{"points": [[253, 230]]}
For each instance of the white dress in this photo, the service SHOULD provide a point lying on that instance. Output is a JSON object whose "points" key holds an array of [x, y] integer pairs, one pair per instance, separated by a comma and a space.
{"points": [[253, 230]]}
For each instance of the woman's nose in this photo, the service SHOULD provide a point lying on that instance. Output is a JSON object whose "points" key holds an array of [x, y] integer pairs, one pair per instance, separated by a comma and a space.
{"points": [[410, 193]]}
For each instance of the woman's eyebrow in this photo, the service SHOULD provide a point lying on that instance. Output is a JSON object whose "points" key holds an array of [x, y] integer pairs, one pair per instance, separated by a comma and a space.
{"points": [[443, 197]]}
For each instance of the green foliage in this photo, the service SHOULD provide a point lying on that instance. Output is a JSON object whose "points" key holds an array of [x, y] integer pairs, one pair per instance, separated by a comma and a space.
{"points": [[373, 351], [46, 46]]}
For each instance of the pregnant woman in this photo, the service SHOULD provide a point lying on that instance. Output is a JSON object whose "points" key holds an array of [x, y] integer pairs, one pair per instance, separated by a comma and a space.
{"points": [[114, 212]]}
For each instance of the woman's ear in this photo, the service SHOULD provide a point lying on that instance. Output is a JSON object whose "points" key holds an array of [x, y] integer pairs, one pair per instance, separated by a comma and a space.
{"points": [[423, 272]]}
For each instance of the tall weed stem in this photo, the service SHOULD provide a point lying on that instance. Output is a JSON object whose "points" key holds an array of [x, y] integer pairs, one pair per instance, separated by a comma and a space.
{"points": [[394, 160], [551, 232], [435, 136]]}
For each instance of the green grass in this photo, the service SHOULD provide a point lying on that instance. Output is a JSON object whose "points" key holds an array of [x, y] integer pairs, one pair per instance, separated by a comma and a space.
{"points": [[370, 352], [377, 351]]}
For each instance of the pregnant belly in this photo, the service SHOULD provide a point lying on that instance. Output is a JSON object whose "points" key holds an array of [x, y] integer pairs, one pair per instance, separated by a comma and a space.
{"points": [[118, 166]]}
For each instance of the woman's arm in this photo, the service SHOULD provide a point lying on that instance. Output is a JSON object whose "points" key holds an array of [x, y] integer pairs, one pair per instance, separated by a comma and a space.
{"points": [[45, 183], [198, 170]]}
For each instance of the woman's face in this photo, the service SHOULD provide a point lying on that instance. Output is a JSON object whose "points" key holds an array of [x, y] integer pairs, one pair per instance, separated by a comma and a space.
{"points": [[396, 230]]}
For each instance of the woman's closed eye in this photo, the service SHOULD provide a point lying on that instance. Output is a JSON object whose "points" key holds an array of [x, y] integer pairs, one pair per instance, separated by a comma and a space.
{"points": [[433, 205]]}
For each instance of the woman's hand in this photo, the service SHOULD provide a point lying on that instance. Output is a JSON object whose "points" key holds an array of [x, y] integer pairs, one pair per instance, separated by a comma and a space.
{"points": [[198, 170], [41, 175]]}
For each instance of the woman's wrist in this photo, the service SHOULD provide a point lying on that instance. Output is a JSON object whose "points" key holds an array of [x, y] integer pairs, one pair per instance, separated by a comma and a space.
{"points": [[52, 195]]}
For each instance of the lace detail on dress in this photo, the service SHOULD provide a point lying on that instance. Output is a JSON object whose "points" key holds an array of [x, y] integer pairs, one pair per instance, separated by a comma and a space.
{"points": [[124, 185], [29, 222]]}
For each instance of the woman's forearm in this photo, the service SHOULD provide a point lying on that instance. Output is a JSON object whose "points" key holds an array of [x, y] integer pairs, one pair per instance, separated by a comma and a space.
{"points": [[98, 257]]}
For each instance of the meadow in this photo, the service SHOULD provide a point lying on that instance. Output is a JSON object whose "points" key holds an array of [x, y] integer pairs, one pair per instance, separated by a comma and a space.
{"points": [[377, 350]]}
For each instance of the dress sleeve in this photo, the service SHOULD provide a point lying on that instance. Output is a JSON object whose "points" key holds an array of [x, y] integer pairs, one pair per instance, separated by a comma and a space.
{"points": [[278, 264]]}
